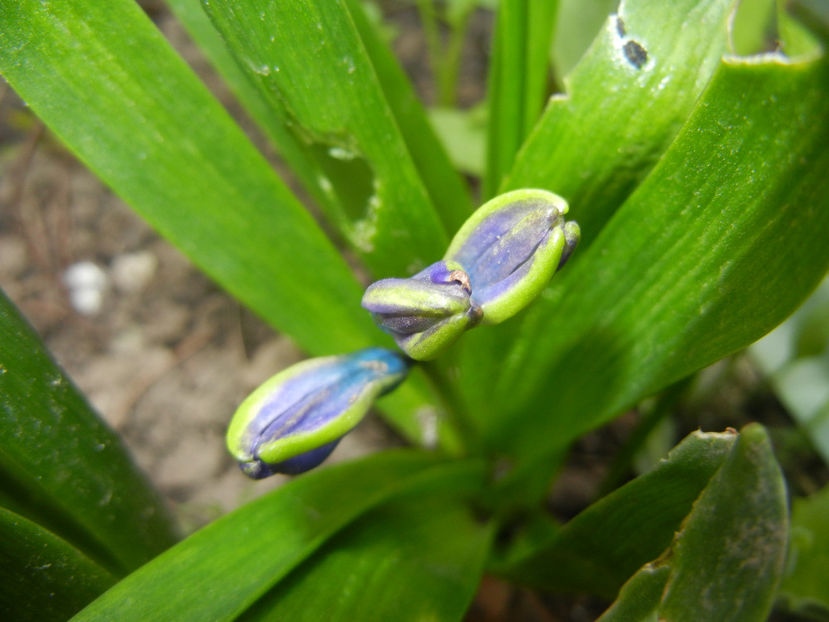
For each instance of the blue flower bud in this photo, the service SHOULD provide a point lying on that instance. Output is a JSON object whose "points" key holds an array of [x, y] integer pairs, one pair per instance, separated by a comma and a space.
{"points": [[511, 247], [293, 421], [424, 313]]}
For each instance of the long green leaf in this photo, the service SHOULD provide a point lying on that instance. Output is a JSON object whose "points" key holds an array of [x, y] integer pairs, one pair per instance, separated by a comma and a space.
{"points": [[218, 572], [727, 559], [722, 241], [62, 467], [192, 16], [309, 63], [604, 545], [517, 80], [103, 78], [624, 102], [42, 577], [446, 189], [420, 558]]}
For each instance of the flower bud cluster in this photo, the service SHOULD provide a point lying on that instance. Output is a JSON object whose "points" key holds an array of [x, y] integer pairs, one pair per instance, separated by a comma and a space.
{"points": [[497, 263]]}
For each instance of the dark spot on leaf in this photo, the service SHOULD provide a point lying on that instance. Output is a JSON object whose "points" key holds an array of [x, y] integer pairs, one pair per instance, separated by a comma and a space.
{"points": [[635, 53], [620, 26]]}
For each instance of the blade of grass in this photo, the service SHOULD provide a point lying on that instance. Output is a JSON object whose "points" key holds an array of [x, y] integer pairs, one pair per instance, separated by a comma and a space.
{"points": [[192, 16], [220, 571], [62, 467]]}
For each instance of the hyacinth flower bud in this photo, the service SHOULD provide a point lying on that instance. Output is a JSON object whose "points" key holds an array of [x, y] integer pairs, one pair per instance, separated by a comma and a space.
{"points": [[293, 421], [511, 247], [424, 313]]}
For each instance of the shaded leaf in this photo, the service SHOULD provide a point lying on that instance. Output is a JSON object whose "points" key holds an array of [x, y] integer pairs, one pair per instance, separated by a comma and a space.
{"points": [[604, 545], [418, 558], [804, 588], [727, 559], [62, 467], [42, 577], [221, 570]]}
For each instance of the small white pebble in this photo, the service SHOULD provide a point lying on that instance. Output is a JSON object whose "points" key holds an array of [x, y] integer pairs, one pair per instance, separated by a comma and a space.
{"points": [[133, 272], [86, 283], [86, 301]]}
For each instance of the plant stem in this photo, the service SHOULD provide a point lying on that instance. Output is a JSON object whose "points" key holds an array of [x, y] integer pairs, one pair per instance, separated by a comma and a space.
{"points": [[449, 69], [451, 405]]}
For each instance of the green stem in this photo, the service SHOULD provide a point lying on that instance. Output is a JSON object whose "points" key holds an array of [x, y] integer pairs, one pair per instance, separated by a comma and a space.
{"points": [[449, 69], [452, 406], [430, 31]]}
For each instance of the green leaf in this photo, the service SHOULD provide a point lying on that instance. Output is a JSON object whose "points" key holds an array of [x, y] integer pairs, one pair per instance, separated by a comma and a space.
{"points": [[62, 467], [219, 571], [625, 101], [604, 545], [446, 189], [517, 81], [103, 78], [42, 577], [192, 16], [727, 559], [722, 241], [464, 134], [638, 600], [577, 23], [804, 588], [419, 558], [308, 61], [752, 26]]}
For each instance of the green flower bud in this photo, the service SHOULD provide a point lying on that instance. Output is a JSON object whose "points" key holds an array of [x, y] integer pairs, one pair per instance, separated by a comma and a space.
{"points": [[293, 421], [424, 313], [511, 247]]}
